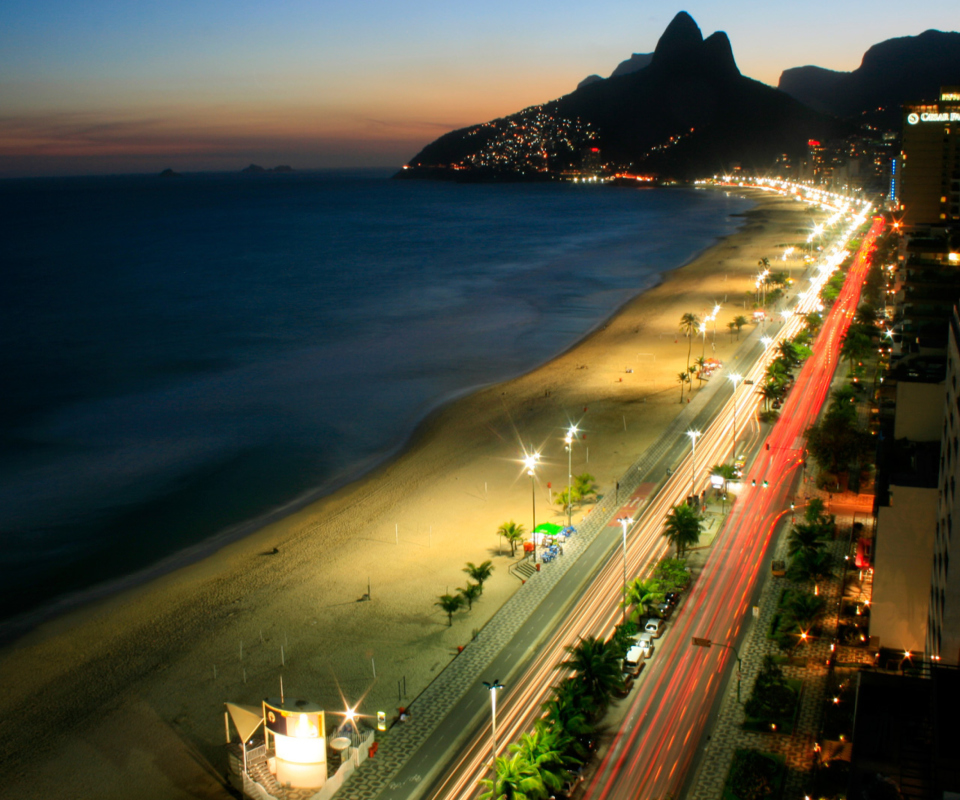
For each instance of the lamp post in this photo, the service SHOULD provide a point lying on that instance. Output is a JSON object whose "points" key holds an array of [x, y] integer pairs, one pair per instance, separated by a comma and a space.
{"points": [[698, 642], [703, 345], [571, 435], [716, 311], [624, 522], [493, 688], [736, 380], [530, 462], [694, 435]]}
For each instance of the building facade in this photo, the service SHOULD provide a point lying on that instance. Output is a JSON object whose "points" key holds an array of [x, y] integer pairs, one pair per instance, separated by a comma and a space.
{"points": [[930, 161]]}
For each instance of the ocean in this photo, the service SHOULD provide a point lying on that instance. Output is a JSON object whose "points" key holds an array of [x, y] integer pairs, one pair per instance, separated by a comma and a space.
{"points": [[184, 357]]}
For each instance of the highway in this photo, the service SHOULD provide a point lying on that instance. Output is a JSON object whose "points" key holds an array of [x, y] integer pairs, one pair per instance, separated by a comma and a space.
{"points": [[654, 749], [649, 738]]}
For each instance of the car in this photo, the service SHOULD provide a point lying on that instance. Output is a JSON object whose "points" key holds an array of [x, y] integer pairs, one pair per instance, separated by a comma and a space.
{"points": [[633, 660], [747, 382], [654, 627], [644, 641], [672, 598], [662, 610]]}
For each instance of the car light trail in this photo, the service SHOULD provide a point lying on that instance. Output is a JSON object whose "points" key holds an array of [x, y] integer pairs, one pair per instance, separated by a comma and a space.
{"points": [[679, 685]]}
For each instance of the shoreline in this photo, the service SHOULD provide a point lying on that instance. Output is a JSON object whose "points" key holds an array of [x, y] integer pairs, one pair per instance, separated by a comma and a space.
{"points": [[147, 655], [12, 628]]}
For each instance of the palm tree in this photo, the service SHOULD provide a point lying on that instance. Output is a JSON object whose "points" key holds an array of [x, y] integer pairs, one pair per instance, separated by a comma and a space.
{"points": [[469, 593], [641, 593], [513, 533], [855, 346], [682, 528], [701, 365], [584, 486], [732, 326], [811, 566], [813, 321], [787, 351], [567, 709], [540, 748], [805, 536], [689, 325], [739, 321], [777, 372], [769, 391], [598, 670], [479, 572], [516, 779], [450, 603], [805, 609], [682, 377], [866, 315]]}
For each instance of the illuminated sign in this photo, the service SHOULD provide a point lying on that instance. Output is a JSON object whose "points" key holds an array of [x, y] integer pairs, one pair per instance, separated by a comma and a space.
{"points": [[306, 724], [950, 97], [929, 116]]}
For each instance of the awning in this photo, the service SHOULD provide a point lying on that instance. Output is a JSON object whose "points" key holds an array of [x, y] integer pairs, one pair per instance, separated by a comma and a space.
{"points": [[245, 719]]}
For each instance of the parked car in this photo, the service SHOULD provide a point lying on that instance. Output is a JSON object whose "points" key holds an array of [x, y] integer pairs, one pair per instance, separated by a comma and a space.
{"points": [[633, 660], [663, 611], [654, 626], [672, 598], [644, 641]]}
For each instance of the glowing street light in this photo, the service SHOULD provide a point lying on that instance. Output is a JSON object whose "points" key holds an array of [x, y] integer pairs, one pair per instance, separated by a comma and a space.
{"points": [[624, 523], [530, 463], [571, 435], [694, 435], [493, 688]]}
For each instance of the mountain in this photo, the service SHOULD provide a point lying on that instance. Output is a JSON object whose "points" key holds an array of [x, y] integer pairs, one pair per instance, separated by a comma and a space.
{"points": [[908, 69], [688, 113], [636, 62]]}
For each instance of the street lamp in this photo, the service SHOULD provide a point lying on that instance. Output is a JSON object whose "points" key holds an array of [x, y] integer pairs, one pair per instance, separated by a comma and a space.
{"points": [[716, 311], [571, 435], [624, 522], [493, 688], [530, 462], [694, 435], [736, 380], [703, 345]]}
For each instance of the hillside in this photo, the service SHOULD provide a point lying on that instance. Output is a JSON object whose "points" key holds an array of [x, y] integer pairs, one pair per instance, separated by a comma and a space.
{"points": [[688, 113]]}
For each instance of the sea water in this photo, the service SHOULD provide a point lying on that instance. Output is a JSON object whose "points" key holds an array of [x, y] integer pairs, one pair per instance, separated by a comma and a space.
{"points": [[183, 356]]}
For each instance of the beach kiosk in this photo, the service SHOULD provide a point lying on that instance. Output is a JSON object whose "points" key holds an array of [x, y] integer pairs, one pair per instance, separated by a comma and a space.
{"points": [[295, 729]]}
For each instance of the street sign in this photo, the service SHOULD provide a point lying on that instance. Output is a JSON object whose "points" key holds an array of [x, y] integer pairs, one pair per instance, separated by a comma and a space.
{"points": [[702, 642]]}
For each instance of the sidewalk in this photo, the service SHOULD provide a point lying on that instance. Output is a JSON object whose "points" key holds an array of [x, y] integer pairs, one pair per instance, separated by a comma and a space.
{"points": [[797, 748]]}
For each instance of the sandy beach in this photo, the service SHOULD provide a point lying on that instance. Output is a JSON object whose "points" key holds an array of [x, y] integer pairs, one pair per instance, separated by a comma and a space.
{"points": [[125, 698]]}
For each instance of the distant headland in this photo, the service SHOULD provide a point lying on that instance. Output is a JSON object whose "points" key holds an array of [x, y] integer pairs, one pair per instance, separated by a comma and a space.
{"points": [[256, 169]]}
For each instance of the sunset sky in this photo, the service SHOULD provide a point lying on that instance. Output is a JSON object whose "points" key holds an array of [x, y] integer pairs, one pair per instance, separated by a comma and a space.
{"points": [[122, 86]]}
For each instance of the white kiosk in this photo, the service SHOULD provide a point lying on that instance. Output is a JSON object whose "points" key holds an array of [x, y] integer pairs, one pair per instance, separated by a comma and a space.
{"points": [[299, 739]]}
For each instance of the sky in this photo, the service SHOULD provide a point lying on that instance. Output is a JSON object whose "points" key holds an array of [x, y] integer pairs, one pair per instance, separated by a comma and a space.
{"points": [[115, 86]]}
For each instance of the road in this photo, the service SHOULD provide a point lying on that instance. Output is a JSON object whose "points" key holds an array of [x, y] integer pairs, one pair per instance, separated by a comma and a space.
{"points": [[654, 749], [596, 610]]}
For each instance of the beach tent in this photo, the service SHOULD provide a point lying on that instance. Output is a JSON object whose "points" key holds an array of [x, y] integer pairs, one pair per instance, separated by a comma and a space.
{"points": [[545, 530]]}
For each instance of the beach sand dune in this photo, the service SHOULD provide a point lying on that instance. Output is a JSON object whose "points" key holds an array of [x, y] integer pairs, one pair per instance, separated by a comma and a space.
{"points": [[125, 699]]}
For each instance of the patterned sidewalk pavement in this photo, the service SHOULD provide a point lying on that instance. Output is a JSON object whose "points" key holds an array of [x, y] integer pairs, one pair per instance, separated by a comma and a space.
{"points": [[797, 748], [450, 686]]}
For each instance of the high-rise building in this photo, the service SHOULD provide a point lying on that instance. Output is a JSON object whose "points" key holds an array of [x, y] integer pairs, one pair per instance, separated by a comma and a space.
{"points": [[930, 161], [943, 619]]}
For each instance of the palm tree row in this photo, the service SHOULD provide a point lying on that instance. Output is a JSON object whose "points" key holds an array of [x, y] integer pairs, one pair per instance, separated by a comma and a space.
{"points": [[583, 488], [466, 595], [545, 758]]}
